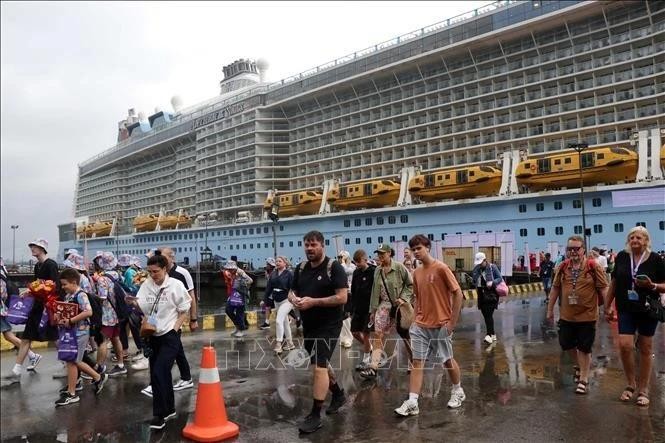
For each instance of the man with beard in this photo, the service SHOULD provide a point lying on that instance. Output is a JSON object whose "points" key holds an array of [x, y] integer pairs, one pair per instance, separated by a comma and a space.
{"points": [[319, 291]]}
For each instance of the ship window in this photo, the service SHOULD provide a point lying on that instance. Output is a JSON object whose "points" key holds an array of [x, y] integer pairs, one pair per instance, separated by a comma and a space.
{"points": [[597, 229], [439, 177], [299, 242], [281, 228], [392, 238], [290, 244], [357, 241], [577, 229], [430, 236], [558, 206], [577, 204], [391, 219], [557, 161], [368, 189], [643, 224], [237, 231], [357, 222], [472, 173], [379, 239], [596, 202], [347, 241], [347, 223], [265, 231], [558, 230], [447, 176], [379, 221], [661, 225], [429, 180], [462, 177], [244, 245], [404, 218], [251, 246], [600, 156], [230, 233], [541, 232], [567, 160], [443, 236], [527, 165], [587, 160], [544, 165], [523, 232], [369, 240], [522, 208], [244, 231], [251, 231], [368, 221], [281, 244], [405, 238], [232, 247], [265, 245], [540, 207]]}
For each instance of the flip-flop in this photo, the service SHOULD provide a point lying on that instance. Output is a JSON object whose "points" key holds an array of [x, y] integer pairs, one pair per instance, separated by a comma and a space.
{"points": [[643, 399], [627, 394], [582, 387]]}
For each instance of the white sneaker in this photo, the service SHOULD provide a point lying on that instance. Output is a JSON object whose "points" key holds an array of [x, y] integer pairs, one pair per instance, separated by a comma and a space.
{"points": [[457, 396], [494, 339], [488, 339], [409, 407], [240, 334], [289, 346], [278, 347], [183, 384], [233, 334], [141, 364], [147, 391], [34, 362], [346, 344]]}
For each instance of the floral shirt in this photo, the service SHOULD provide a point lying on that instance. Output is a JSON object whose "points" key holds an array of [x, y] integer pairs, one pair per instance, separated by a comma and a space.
{"points": [[83, 327], [84, 284], [104, 291]]}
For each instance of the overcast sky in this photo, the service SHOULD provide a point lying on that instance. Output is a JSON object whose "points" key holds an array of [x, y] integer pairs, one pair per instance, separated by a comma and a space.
{"points": [[70, 71]]}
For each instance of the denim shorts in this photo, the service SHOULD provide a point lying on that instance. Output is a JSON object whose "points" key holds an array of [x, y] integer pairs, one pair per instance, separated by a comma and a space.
{"points": [[4, 325]]}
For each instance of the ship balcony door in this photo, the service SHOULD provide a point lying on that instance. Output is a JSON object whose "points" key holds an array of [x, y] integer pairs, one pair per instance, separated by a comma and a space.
{"points": [[462, 177]]}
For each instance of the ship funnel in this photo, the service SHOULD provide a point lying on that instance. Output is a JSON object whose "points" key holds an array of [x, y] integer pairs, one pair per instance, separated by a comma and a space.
{"points": [[176, 103], [262, 65]]}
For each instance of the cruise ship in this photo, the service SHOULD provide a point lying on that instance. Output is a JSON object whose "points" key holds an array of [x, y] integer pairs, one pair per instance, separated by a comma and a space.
{"points": [[477, 131]]}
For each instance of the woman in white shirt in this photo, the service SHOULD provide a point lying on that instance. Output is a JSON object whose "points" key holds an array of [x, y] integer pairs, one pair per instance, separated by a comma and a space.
{"points": [[166, 303]]}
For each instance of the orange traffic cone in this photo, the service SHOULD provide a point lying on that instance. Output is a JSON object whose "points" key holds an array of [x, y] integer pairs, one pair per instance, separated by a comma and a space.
{"points": [[210, 421]]}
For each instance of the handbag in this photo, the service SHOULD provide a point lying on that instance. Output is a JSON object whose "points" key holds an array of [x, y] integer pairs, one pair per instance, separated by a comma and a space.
{"points": [[67, 344], [406, 313], [236, 298], [502, 289], [147, 328], [655, 308], [19, 309]]}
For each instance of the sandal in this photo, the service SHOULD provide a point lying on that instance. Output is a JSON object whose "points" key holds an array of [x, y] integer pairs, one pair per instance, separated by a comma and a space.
{"points": [[582, 387], [576, 377], [627, 394], [642, 399], [368, 373]]}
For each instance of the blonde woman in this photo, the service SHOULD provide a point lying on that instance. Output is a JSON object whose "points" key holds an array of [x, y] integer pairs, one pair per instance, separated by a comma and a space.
{"points": [[346, 337], [638, 273], [277, 288]]}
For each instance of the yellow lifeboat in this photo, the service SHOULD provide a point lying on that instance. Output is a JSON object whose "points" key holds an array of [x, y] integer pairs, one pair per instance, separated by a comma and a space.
{"points": [[144, 223], [100, 228], [662, 156], [599, 165], [467, 182], [171, 221], [296, 203], [367, 194]]}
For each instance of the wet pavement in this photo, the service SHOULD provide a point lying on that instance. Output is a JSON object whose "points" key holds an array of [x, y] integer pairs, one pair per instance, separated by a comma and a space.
{"points": [[520, 389]]}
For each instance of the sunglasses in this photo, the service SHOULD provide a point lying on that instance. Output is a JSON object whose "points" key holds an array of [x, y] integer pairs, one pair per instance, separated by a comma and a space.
{"points": [[573, 248]]}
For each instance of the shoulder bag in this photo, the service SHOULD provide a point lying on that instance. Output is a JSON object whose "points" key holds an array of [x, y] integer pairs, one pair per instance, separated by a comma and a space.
{"points": [[147, 328]]}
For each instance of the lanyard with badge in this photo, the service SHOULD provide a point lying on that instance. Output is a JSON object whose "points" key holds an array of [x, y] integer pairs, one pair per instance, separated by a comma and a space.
{"points": [[575, 274], [632, 293]]}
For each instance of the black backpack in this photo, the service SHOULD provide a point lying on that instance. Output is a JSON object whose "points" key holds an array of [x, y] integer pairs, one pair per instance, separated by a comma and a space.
{"points": [[118, 303], [95, 319]]}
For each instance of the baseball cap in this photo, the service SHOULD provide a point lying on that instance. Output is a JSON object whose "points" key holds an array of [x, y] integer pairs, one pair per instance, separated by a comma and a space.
{"points": [[383, 247], [479, 258]]}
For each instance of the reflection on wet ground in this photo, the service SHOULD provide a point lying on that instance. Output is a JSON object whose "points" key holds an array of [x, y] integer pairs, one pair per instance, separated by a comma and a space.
{"points": [[519, 389]]}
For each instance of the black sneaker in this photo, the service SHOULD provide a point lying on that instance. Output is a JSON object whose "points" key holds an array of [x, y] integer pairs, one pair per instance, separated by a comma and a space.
{"points": [[79, 387], [117, 370], [310, 424], [265, 325], [67, 399], [99, 385], [157, 423], [336, 402]]}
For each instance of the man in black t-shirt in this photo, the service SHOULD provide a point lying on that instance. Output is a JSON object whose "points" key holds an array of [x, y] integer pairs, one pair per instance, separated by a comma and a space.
{"points": [[320, 291], [361, 290]]}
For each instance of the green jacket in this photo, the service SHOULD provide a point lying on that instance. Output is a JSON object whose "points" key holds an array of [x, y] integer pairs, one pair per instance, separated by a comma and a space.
{"points": [[399, 284]]}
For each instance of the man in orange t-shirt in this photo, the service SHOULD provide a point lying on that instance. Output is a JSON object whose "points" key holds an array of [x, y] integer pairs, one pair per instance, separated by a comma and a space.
{"points": [[438, 305]]}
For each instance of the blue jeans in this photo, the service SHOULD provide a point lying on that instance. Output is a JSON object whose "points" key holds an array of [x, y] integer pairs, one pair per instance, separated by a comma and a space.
{"points": [[237, 316]]}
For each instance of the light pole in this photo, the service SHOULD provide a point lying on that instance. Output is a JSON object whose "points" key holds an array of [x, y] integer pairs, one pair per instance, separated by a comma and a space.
{"points": [[206, 219], [274, 216], [14, 228], [579, 148]]}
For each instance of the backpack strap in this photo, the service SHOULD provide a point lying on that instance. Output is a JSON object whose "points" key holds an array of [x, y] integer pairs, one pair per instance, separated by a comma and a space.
{"points": [[329, 266]]}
